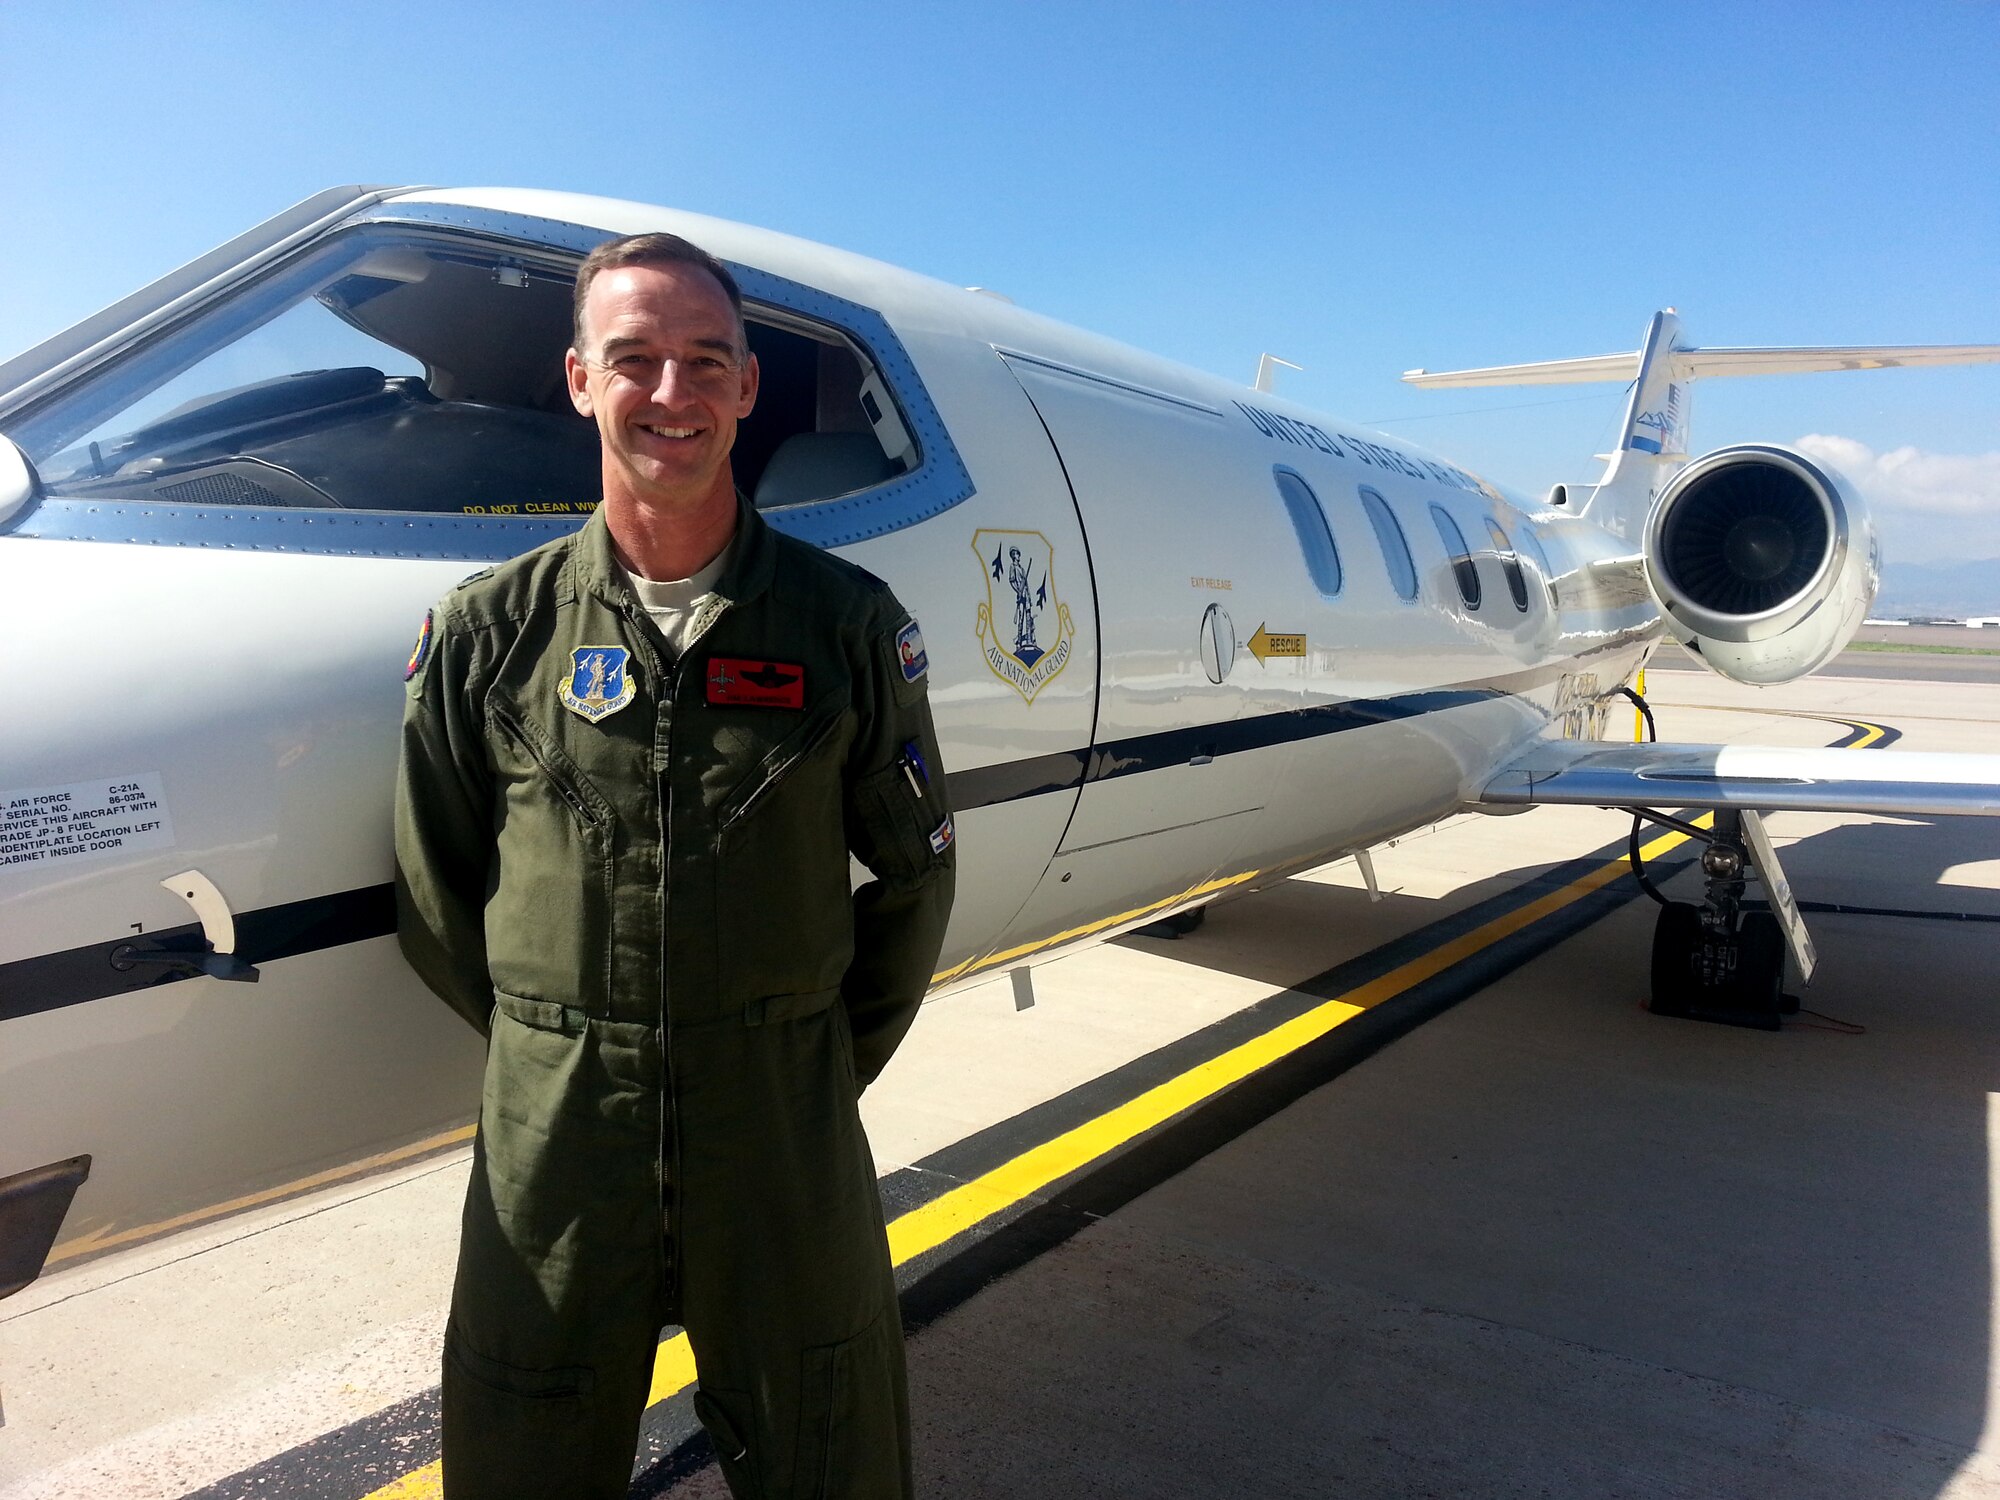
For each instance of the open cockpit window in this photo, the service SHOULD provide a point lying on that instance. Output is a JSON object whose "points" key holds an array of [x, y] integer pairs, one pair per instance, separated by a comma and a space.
{"points": [[404, 368], [825, 424]]}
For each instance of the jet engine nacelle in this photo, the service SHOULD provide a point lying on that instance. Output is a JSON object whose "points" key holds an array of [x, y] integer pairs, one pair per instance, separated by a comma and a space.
{"points": [[1764, 562]]}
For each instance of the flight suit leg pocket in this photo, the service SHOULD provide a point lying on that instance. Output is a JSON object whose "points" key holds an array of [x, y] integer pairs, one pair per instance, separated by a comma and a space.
{"points": [[854, 1419], [556, 1392], [511, 1431]]}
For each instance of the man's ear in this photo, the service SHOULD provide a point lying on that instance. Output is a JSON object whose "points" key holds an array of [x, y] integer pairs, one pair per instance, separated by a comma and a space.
{"points": [[577, 373], [751, 375]]}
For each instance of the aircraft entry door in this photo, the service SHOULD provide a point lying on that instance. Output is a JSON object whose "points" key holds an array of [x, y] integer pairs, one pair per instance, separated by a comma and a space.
{"points": [[1181, 531]]}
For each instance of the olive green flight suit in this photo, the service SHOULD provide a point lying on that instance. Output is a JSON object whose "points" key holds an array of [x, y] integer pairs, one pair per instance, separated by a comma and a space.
{"points": [[647, 907]]}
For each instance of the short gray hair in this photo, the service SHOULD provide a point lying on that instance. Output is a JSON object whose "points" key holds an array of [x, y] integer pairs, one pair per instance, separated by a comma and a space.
{"points": [[650, 250]]}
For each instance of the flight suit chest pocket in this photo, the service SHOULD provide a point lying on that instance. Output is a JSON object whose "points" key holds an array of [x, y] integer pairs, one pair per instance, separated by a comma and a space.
{"points": [[771, 777], [783, 899], [548, 921]]}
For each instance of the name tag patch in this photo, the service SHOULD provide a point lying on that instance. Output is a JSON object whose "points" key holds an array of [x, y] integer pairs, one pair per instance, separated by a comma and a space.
{"points": [[749, 683]]}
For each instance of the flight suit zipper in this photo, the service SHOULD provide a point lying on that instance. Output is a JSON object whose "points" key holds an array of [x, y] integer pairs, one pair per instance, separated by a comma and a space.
{"points": [[557, 775], [670, 1135], [775, 777]]}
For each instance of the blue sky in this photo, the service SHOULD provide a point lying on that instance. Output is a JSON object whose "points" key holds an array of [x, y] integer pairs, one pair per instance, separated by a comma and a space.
{"points": [[1361, 188]]}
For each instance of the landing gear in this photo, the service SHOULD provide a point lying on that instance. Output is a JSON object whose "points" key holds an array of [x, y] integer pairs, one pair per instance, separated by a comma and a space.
{"points": [[1715, 961], [1180, 924]]}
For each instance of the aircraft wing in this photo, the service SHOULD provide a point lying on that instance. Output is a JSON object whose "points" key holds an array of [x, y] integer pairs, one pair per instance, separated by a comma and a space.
{"points": [[1766, 778]]}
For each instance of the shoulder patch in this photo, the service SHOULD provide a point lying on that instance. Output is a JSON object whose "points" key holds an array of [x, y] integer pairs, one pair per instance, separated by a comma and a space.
{"points": [[910, 653], [421, 652]]}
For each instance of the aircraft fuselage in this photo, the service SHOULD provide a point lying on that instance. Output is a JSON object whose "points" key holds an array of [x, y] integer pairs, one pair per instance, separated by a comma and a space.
{"points": [[1182, 639]]}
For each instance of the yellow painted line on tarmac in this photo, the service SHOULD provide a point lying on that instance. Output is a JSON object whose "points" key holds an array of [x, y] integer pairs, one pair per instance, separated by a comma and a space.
{"points": [[971, 1203], [426, 1483], [99, 1239], [1869, 733]]}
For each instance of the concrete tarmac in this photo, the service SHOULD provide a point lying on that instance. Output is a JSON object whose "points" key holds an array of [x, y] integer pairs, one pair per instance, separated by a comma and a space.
{"points": [[1545, 1243], [1550, 1244]]}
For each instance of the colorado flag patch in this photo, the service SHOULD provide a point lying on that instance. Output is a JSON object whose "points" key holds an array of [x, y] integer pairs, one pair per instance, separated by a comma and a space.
{"points": [[910, 652]]}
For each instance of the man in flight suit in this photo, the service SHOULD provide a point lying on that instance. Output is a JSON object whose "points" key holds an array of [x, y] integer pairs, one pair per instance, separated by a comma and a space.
{"points": [[635, 762]]}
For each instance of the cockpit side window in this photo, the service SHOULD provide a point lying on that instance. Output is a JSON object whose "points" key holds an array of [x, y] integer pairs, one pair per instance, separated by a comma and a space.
{"points": [[406, 369], [825, 424]]}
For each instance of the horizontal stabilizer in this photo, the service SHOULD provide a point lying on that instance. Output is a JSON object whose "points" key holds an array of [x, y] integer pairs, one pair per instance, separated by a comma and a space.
{"points": [[1660, 374], [1592, 773], [1619, 367], [1707, 364]]}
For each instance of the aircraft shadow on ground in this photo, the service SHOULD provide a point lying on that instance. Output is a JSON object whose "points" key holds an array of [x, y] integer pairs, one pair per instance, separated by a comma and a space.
{"points": [[1804, 1214]]}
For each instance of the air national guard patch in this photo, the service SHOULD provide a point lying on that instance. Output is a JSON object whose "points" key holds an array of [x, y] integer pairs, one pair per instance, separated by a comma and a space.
{"points": [[599, 683], [421, 651], [756, 684]]}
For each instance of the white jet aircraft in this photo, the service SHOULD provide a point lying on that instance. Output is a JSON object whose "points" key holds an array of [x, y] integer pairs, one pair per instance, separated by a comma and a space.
{"points": [[1184, 638]]}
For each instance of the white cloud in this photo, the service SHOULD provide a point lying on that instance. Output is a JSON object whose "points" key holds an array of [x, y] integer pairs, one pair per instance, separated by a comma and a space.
{"points": [[1909, 479]]}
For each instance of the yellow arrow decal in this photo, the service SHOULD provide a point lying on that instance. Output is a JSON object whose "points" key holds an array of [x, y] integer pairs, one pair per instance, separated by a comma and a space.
{"points": [[1264, 644]]}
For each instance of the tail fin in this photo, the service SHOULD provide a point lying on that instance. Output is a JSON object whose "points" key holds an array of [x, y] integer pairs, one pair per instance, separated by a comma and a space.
{"points": [[1653, 442]]}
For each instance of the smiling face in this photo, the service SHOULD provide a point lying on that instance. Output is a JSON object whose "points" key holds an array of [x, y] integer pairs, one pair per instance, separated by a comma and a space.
{"points": [[665, 375]]}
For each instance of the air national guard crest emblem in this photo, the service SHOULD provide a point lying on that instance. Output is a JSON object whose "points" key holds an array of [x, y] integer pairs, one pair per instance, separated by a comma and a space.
{"points": [[598, 684], [1025, 632]]}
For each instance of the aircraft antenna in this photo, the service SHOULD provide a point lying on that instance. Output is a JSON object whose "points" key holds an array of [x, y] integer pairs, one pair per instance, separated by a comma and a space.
{"points": [[1267, 372]]}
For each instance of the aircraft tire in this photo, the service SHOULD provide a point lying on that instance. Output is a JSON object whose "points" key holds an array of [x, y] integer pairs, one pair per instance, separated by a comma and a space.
{"points": [[1760, 963], [1677, 940], [1180, 924]]}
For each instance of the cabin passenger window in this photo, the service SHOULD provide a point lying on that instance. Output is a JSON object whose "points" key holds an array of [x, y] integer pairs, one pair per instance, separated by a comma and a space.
{"points": [[1460, 555], [1532, 544], [1395, 547], [1315, 536], [1510, 565]]}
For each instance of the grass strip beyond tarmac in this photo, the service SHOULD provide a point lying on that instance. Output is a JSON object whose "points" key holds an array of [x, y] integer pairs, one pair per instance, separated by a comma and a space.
{"points": [[1932, 650]]}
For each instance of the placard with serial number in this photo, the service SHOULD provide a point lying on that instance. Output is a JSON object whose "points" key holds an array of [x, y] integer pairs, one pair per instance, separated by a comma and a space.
{"points": [[86, 819]]}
